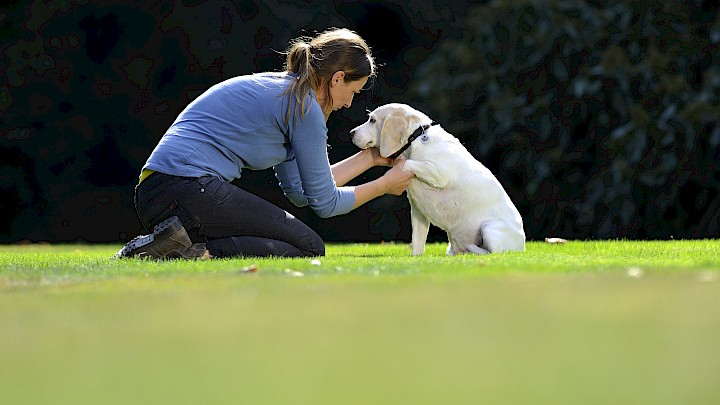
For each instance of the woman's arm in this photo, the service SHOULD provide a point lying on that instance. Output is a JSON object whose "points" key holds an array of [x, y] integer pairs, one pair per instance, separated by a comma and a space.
{"points": [[309, 140], [394, 181], [357, 164]]}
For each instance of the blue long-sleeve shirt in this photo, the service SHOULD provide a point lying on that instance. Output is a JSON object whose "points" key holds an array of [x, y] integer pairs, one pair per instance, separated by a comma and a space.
{"points": [[240, 124]]}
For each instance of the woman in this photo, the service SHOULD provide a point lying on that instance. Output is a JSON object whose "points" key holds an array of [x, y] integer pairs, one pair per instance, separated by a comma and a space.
{"points": [[256, 122]]}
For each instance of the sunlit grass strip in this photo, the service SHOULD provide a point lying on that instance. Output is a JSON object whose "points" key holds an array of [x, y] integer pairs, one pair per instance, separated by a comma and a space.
{"points": [[40, 264]]}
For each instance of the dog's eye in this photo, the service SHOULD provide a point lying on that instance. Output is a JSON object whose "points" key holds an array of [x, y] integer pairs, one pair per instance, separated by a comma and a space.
{"points": [[372, 120]]}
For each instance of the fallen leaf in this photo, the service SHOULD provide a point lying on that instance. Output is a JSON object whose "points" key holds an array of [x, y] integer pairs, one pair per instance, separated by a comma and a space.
{"points": [[249, 269]]}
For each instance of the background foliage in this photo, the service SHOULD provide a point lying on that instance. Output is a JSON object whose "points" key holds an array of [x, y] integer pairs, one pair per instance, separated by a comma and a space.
{"points": [[600, 118]]}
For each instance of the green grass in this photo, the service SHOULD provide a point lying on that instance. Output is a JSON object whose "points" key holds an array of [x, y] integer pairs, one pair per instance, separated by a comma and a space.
{"points": [[612, 322]]}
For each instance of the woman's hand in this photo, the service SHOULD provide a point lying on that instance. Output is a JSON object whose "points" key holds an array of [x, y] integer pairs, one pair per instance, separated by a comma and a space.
{"points": [[378, 160], [396, 180]]}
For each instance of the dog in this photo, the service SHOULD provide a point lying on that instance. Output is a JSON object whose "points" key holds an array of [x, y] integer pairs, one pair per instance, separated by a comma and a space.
{"points": [[451, 189]]}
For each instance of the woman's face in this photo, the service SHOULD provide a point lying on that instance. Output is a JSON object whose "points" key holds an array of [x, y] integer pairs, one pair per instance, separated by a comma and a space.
{"points": [[342, 92]]}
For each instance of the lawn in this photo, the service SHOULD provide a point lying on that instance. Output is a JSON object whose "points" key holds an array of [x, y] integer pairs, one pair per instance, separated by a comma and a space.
{"points": [[595, 322]]}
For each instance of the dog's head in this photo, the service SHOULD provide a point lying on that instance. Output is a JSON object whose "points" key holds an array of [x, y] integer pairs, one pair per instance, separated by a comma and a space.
{"points": [[388, 128]]}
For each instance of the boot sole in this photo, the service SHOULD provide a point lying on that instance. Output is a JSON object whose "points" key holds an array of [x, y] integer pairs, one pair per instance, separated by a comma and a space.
{"points": [[162, 231]]}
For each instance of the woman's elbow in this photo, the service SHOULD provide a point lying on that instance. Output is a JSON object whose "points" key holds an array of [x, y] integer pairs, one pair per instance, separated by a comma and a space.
{"points": [[297, 199], [323, 211]]}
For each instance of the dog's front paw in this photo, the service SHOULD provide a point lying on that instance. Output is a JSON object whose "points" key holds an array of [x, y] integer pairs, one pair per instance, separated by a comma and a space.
{"points": [[427, 172], [409, 165]]}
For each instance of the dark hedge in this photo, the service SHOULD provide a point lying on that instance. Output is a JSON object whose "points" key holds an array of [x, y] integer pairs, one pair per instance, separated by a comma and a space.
{"points": [[600, 118]]}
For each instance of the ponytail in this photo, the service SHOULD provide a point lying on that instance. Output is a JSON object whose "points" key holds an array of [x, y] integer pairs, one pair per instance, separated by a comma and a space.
{"points": [[299, 57]]}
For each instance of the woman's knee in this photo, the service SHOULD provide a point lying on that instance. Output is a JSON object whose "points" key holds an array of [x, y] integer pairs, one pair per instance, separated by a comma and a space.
{"points": [[316, 248]]}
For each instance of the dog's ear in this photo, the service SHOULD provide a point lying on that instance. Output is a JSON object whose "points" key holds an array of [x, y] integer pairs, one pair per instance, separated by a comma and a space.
{"points": [[393, 133]]}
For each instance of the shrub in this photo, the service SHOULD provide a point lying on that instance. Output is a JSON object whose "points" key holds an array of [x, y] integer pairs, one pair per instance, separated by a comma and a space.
{"points": [[599, 118]]}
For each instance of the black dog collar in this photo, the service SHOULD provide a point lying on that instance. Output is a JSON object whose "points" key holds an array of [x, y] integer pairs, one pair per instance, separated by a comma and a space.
{"points": [[421, 130]]}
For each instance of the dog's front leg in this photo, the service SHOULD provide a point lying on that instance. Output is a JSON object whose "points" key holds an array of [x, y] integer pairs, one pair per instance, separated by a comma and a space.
{"points": [[420, 228], [427, 172]]}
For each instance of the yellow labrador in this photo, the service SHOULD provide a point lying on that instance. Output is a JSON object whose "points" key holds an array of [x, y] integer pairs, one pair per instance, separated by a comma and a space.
{"points": [[451, 189]]}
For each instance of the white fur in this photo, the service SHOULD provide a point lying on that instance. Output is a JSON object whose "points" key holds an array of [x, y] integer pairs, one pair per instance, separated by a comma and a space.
{"points": [[450, 189]]}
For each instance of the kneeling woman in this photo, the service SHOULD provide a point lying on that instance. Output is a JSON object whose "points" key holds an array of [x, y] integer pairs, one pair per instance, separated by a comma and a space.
{"points": [[256, 122]]}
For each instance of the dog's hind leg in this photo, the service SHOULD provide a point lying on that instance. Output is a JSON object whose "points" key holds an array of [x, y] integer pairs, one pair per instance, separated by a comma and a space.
{"points": [[451, 251], [476, 249], [464, 245]]}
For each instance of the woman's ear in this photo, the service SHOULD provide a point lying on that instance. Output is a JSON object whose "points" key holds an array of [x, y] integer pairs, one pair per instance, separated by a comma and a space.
{"points": [[336, 77]]}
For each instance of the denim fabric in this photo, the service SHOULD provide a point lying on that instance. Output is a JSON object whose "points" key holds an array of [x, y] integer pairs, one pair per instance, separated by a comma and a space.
{"points": [[232, 221]]}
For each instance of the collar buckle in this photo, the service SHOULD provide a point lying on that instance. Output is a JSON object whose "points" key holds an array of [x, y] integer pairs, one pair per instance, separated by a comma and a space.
{"points": [[419, 131]]}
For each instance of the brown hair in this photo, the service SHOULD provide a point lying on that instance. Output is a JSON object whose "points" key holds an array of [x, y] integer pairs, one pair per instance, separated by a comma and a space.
{"points": [[315, 60]]}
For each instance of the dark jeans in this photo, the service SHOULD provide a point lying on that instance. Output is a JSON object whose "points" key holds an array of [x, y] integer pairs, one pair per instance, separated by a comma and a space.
{"points": [[230, 220]]}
